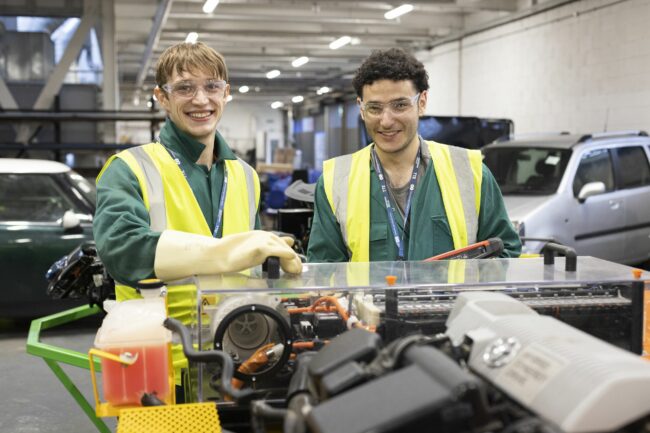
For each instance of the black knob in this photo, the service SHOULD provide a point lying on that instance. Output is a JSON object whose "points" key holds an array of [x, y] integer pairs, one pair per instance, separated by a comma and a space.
{"points": [[272, 268]]}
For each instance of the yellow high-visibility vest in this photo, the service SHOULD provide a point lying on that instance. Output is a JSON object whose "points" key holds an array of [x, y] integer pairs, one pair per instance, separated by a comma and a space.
{"points": [[347, 187], [171, 204]]}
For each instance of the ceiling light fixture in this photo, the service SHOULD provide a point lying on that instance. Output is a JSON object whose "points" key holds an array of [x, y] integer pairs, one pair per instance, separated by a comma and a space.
{"points": [[243, 89], [297, 99], [272, 74], [210, 6], [192, 37], [276, 105], [300, 61], [323, 90], [340, 42], [398, 11]]}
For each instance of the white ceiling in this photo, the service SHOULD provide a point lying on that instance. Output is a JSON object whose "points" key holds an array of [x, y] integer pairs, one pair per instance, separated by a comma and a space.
{"points": [[256, 36]]}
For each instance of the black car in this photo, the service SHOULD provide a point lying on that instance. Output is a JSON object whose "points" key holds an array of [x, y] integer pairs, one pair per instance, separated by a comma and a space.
{"points": [[46, 210]]}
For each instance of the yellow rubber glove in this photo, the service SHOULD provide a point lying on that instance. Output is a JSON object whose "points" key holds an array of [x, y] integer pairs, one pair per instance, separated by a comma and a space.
{"points": [[180, 254]]}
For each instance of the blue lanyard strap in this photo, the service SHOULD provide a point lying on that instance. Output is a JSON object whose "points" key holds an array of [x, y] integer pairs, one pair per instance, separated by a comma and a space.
{"points": [[224, 189], [222, 201], [399, 239]]}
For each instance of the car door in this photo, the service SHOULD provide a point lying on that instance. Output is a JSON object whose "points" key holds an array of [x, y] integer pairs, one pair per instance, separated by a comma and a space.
{"points": [[32, 238], [598, 220], [633, 184]]}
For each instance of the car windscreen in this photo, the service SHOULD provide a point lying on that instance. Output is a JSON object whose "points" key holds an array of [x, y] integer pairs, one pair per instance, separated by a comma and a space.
{"points": [[527, 170], [83, 186], [34, 197]]}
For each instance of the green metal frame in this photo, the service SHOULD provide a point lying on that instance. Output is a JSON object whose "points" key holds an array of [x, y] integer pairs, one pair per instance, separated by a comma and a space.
{"points": [[53, 355]]}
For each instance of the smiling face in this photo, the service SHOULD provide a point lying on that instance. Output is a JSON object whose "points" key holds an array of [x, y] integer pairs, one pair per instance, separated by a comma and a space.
{"points": [[392, 132], [198, 115]]}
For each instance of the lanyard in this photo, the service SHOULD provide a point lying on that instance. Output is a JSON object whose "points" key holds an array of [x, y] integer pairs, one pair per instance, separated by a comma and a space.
{"points": [[222, 201], [399, 240], [224, 189]]}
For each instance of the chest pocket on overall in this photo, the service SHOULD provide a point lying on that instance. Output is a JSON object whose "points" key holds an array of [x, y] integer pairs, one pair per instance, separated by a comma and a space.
{"points": [[378, 236], [442, 240]]}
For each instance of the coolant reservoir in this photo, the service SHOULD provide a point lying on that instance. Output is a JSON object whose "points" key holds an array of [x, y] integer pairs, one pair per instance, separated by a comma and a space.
{"points": [[133, 330]]}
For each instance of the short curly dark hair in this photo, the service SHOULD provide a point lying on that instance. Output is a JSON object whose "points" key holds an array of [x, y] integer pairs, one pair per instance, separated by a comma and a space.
{"points": [[391, 64]]}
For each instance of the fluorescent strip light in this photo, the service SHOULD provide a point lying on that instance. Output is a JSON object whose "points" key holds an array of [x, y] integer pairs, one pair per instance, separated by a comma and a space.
{"points": [[243, 89], [272, 74], [192, 37], [340, 42], [277, 104], [323, 90], [297, 99], [210, 6], [300, 61], [398, 11]]}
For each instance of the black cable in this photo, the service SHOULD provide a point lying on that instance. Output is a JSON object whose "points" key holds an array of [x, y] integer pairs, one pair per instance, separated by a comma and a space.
{"points": [[224, 360], [260, 411]]}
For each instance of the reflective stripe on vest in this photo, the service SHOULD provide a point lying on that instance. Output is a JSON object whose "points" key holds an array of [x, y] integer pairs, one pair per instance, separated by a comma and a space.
{"points": [[349, 170], [458, 172]]}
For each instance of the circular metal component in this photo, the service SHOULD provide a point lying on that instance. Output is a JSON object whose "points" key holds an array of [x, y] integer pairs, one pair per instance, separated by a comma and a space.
{"points": [[249, 331], [247, 328], [501, 351]]}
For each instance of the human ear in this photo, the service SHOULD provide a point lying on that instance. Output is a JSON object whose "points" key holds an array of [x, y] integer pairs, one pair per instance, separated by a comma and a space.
{"points": [[360, 110], [422, 102], [161, 97]]}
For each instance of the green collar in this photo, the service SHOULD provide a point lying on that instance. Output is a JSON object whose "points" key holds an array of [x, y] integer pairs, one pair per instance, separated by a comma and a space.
{"points": [[222, 148], [178, 141]]}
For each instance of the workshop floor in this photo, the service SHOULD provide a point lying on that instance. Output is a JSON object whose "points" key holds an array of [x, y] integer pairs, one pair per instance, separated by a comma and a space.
{"points": [[32, 398]]}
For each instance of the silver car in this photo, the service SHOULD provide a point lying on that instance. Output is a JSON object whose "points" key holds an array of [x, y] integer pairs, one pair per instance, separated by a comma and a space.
{"points": [[590, 192]]}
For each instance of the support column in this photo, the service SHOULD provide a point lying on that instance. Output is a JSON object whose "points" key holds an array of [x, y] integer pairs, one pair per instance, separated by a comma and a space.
{"points": [[110, 89]]}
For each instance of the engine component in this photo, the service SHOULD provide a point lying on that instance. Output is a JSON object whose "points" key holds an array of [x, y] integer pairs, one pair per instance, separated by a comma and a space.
{"points": [[80, 274], [250, 327], [566, 376]]}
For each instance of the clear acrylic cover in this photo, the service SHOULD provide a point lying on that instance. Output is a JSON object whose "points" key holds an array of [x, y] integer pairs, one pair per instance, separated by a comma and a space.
{"points": [[263, 323]]}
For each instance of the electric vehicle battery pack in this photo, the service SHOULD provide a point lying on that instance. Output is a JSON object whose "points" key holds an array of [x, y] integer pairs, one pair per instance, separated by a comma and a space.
{"points": [[264, 323]]}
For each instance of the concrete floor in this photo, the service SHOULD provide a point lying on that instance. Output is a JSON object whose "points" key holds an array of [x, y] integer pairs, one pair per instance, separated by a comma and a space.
{"points": [[32, 400]]}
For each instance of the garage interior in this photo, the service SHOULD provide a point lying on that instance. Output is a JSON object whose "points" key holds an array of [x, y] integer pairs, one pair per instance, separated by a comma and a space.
{"points": [[557, 89]]}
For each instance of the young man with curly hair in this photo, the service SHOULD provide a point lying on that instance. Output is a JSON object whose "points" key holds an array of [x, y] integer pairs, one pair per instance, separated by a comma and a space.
{"points": [[401, 197]]}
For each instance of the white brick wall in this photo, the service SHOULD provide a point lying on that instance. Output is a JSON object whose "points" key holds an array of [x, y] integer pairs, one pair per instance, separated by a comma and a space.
{"points": [[572, 68]]}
